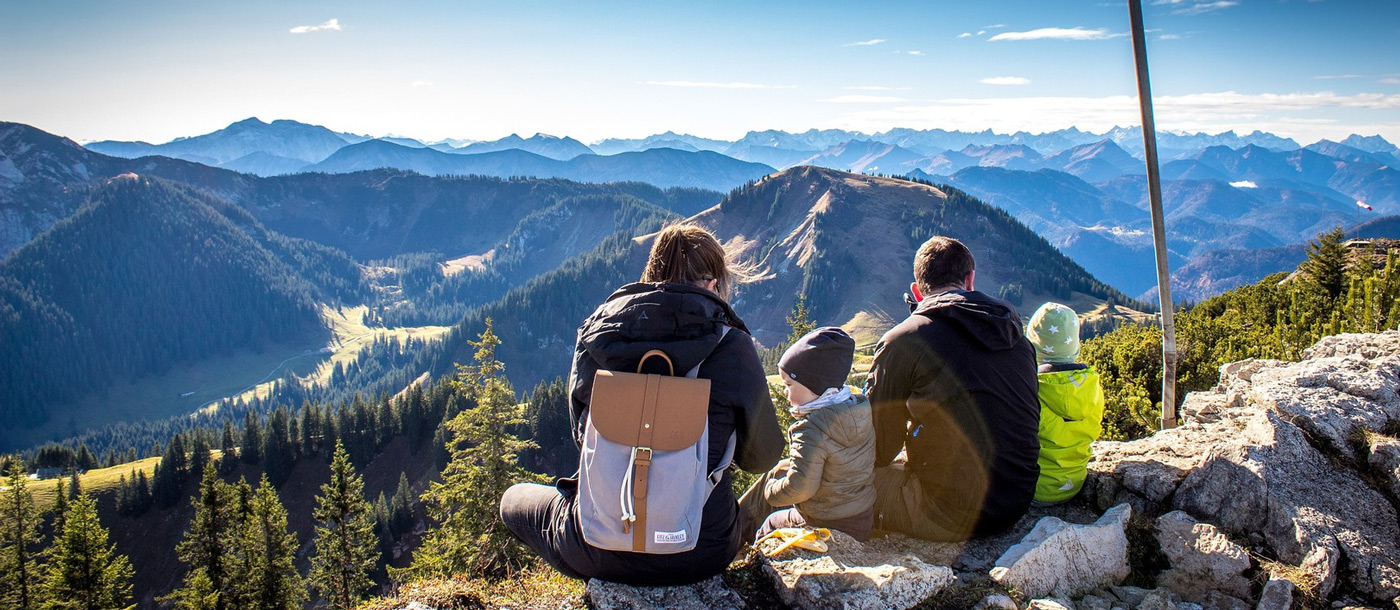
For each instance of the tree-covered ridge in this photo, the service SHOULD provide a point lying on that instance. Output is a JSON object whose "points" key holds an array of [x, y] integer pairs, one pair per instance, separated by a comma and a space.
{"points": [[541, 242], [146, 275], [1343, 287]]}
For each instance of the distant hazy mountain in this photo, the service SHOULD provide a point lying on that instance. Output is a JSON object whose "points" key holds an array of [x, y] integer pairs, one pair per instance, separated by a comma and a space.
{"points": [[1375, 144], [561, 149], [781, 158], [1096, 161], [1215, 272], [663, 167], [264, 164], [613, 146], [1338, 150], [863, 156], [289, 139]]}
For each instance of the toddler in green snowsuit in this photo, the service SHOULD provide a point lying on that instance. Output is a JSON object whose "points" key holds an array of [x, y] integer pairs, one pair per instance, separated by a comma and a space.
{"points": [[1071, 403]]}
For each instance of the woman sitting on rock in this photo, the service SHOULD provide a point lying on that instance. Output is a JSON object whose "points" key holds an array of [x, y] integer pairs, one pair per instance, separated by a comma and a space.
{"points": [[681, 308]]}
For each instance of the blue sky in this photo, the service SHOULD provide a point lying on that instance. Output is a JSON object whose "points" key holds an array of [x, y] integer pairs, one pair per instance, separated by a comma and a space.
{"points": [[159, 69]]}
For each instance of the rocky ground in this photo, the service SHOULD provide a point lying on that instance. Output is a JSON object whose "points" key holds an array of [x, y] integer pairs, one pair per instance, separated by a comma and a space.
{"points": [[1279, 491]]}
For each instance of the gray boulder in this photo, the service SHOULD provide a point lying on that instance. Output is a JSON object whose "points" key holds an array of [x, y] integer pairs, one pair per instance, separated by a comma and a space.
{"points": [[1384, 459], [1270, 482], [705, 595], [1270, 457], [1050, 604], [1202, 559], [853, 576], [1277, 595], [996, 601], [1065, 560]]}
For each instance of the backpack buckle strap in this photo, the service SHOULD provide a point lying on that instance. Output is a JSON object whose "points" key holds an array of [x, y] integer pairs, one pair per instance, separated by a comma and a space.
{"points": [[641, 464]]}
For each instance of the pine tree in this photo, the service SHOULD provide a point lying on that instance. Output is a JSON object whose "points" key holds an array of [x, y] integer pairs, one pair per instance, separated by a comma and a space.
{"points": [[345, 540], [269, 580], [401, 507], [470, 537], [60, 507], [1327, 262], [800, 320], [228, 449], [205, 547], [251, 449], [85, 572], [19, 534], [75, 485]]}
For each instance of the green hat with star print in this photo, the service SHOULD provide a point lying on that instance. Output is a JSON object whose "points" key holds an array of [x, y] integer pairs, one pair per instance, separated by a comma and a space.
{"points": [[1054, 331]]}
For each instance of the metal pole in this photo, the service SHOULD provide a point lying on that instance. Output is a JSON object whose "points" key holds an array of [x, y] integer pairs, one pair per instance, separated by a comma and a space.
{"points": [[1159, 234]]}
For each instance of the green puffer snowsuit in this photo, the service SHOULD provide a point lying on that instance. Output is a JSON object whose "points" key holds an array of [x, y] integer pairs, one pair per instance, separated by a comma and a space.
{"points": [[1071, 417]]}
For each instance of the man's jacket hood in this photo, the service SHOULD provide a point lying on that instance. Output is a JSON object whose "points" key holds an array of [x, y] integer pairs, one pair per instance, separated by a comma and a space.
{"points": [[990, 321]]}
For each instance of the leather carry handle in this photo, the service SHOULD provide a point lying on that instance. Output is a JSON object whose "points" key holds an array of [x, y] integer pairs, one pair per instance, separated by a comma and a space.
{"points": [[660, 354]]}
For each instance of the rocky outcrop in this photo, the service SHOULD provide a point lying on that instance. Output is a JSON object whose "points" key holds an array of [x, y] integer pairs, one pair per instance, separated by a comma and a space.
{"points": [[1064, 560], [1203, 560], [854, 576], [1271, 457]]}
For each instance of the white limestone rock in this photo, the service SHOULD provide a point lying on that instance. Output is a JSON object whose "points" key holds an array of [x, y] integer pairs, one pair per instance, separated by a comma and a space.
{"points": [[854, 576], [1202, 559], [1065, 560]]}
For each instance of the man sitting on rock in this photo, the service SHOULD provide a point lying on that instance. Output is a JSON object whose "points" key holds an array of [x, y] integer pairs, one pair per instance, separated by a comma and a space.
{"points": [[954, 387]]}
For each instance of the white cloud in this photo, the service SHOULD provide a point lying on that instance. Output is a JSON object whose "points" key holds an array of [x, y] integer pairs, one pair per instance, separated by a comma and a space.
{"points": [[1244, 184], [1074, 33], [422, 83], [994, 26], [863, 99], [965, 35], [1339, 76], [1005, 80], [712, 85], [1169, 37], [1196, 7], [916, 53], [333, 24], [865, 43], [1390, 81], [875, 88], [981, 32]]}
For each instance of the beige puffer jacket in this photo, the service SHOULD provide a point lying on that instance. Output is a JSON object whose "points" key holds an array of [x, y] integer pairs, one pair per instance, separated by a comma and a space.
{"points": [[833, 463]]}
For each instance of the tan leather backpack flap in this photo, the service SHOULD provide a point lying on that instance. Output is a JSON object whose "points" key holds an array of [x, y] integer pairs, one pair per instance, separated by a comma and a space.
{"points": [[656, 411]]}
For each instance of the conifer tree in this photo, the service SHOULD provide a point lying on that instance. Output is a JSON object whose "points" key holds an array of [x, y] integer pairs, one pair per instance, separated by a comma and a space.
{"points": [[469, 537], [1327, 262], [345, 540], [251, 449], [85, 572], [401, 507], [60, 507], [800, 320], [19, 535], [270, 580], [75, 485], [228, 449], [205, 548]]}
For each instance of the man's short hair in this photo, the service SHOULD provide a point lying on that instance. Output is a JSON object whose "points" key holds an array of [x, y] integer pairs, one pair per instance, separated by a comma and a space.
{"points": [[940, 262]]}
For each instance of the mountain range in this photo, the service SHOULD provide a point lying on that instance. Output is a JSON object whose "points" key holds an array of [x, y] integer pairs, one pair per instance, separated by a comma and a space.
{"points": [[1221, 191], [534, 254], [285, 146]]}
